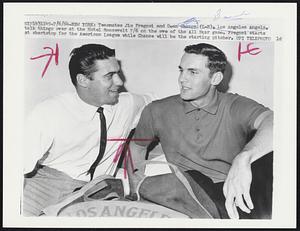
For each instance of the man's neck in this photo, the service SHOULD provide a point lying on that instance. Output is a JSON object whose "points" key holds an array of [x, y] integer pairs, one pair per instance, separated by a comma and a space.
{"points": [[85, 97], [205, 100]]}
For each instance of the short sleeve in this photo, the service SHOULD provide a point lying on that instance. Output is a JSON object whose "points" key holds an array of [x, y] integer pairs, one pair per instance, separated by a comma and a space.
{"points": [[144, 133], [245, 111]]}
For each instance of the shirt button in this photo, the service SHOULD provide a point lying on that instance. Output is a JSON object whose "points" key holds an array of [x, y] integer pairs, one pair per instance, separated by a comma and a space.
{"points": [[198, 137], [197, 116]]}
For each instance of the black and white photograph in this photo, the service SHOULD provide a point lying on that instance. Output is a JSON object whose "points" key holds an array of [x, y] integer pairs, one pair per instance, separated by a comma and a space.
{"points": [[137, 119]]}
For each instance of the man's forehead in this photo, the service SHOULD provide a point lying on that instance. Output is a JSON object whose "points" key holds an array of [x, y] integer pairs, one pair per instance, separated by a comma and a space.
{"points": [[190, 60]]}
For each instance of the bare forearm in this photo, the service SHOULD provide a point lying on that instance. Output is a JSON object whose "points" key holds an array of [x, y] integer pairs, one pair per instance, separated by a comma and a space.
{"points": [[262, 143], [237, 184], [138, 155], [135, 172]]}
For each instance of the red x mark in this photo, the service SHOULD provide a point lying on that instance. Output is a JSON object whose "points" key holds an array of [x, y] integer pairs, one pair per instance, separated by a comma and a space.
{"points": [[249, 50], [55, 54]]}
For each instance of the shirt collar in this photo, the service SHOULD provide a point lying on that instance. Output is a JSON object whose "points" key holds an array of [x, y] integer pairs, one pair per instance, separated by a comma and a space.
{"points": [[211, 108], [86, 109], [108, 108], [89, 111]]}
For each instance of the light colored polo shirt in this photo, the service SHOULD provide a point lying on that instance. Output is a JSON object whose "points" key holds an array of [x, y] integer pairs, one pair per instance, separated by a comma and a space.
{"points": [[204, 139]]}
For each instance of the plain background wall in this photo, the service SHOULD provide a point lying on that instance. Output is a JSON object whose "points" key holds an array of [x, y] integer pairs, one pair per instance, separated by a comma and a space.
{"points": [[149, 66]]}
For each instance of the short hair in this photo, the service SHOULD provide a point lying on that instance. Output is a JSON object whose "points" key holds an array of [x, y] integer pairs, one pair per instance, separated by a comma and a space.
{"points": [[217, 60], [83, 59]]}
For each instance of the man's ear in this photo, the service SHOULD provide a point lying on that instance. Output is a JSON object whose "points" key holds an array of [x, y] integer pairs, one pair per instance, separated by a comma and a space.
{"points": [[216, 78], [82, 80]]}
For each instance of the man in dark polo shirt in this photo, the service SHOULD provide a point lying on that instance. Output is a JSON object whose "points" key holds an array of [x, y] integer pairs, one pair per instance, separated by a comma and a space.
{"points": [[206, 133]]}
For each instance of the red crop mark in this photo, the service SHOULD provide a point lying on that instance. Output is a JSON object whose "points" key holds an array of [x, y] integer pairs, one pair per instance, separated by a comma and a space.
{"points": [[124, 146], [55, 54], [249, 50]]}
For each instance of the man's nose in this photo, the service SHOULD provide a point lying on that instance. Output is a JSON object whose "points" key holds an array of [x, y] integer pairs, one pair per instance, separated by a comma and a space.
{"points": [[117, 80], [182, 76]]}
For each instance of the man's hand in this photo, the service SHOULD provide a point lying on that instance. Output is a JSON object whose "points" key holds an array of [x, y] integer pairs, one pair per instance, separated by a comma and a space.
{"points": [[236, 188]]}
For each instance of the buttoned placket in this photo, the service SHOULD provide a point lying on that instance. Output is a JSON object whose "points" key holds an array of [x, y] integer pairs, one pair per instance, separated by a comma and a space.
{"points": [[197, 127]]}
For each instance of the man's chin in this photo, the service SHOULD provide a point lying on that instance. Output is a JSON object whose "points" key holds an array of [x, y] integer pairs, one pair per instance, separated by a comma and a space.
{"points": [[185, 97], [115, 101]]}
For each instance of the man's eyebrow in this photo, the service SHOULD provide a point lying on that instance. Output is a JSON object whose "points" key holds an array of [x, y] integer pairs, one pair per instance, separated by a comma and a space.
{"points": [[193, 69], [189, 69], [112, 72]]}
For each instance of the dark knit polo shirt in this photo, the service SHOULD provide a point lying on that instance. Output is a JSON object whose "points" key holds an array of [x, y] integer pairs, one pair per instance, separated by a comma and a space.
{"points": [[204, 139]]}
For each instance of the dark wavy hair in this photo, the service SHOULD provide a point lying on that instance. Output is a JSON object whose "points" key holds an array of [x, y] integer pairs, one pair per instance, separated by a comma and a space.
{"points": [[217, 60], [83, 59]]}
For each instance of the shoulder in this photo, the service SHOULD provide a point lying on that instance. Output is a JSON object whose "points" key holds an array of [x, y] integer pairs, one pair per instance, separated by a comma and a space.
{"points": [[235, 100], [127, 97], [228, 98], [243, 109], [126, 100], [170, 101], [165, 105], [239, 100], [52, 105], [135, 101]]}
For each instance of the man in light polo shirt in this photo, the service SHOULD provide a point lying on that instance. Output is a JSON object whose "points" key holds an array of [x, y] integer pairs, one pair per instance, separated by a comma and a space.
{"points": [[205, 132]]}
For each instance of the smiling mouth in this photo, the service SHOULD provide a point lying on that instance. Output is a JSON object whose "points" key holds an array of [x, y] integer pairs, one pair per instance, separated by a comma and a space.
{"points": [[114, 91], [185, 88]]}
